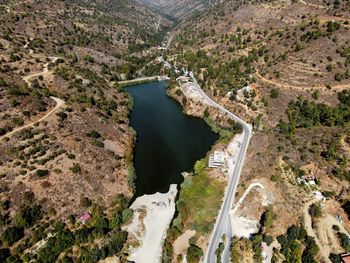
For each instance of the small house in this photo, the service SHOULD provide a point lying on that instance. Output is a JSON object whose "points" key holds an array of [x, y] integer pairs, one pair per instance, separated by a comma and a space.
{"points": [[309, 179], [85, 217], [345, 258]]}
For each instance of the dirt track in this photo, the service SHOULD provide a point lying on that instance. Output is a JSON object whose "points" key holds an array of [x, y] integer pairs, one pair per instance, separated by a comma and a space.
{"points": [[59, 103], [338, 87], [324, 250]]}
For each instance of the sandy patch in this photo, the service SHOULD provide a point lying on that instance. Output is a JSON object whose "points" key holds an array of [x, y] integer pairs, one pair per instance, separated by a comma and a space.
{"points": [[150, 230], [113, 146], [113, 259], [244, 227], [182, 242]]}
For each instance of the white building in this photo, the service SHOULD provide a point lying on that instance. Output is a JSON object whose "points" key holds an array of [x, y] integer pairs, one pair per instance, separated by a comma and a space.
{"points": [[216, 159]]}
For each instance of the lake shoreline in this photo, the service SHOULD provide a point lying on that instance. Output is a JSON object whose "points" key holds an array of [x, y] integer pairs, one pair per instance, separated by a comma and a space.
{"points": [[177, 131]]}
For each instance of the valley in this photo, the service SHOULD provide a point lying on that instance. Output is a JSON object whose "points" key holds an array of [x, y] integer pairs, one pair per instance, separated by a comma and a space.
{"points": [[228, 121]]}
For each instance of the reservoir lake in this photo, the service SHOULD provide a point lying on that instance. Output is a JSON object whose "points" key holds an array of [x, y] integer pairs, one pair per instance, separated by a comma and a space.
{"points": [[168, 141]]}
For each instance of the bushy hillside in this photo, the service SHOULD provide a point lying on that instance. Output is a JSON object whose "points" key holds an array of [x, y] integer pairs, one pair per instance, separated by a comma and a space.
{"points": [[178, 9], [65, 141], [282, 66]]}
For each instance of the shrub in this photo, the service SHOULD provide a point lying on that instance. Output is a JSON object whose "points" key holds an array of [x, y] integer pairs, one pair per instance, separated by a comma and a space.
{"points": [[131, 176], [71, 156], [267, 218], [62, 115], [315, 210], [88, 58], [178, 92], [194, 253], [18, 91], [42, 173], [27, 216], [2, 82], [85, 202], [274, 93], [75, 168], [4, 254], [316, 95], [335, 258], [344, 241], [12, 235], [2, 131], [338, 77], [93, 134], [335, 228], [268, 240], [97, 143], [127, 215]]}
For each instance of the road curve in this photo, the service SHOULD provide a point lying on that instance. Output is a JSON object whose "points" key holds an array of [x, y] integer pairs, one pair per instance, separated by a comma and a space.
{"points": [[222, 225], [59, 103]]}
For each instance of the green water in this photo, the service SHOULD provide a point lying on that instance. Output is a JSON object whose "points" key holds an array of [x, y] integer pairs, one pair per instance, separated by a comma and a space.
{"points": [[168, 141]]}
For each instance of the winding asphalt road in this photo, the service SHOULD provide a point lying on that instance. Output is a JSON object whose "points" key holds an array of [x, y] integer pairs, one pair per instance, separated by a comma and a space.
{"points": [[223, 226]]}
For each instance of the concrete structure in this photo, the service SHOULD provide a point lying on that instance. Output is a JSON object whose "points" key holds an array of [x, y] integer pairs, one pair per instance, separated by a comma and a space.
{"points": [[183, 79], [216, 159]]}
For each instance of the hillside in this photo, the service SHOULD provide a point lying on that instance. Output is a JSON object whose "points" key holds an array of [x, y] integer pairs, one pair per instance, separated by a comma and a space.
{"points": [[294, 58], [66, 145], [65, 141], [178, 9]]}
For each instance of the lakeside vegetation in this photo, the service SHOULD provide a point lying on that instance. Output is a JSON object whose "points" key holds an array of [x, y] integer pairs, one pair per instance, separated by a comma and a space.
{"points": [[225, 133], [199, 199], [197, 206]]}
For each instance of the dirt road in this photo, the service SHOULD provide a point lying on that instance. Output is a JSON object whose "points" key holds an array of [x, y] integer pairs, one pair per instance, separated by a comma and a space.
{"points": [[338, 87], [59, 103], [41, 73], [313, 5], [324, 250]]}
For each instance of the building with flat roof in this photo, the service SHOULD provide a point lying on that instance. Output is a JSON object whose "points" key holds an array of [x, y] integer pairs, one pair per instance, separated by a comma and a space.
{"points": [[216, 159]]}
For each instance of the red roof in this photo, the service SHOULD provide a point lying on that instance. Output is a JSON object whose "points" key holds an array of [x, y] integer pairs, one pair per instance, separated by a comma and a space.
{"points": [[345, 258], [85, 216], [309, 177]]}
